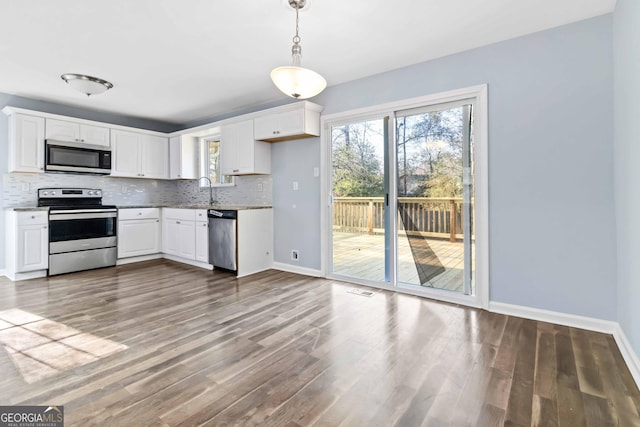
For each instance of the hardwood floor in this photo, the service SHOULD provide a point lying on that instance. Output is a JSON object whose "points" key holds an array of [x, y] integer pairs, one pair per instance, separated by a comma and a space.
{"points": [[164, 344]]}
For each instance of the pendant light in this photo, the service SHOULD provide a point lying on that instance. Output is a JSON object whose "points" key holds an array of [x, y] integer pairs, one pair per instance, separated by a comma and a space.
{"points": [[293, 80], [86, 84]]}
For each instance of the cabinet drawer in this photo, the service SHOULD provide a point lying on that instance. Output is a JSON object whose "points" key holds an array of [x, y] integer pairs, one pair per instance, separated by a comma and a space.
{"points": [[180, 214], [201, 214], [138, 213], [32, 218]]}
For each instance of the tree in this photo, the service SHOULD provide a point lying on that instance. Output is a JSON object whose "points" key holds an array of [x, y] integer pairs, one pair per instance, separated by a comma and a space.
{"points": [[357, 169], [430, 153]]}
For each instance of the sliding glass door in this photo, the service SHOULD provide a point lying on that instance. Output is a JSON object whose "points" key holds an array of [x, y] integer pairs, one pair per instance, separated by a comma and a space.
{"points": [[434, 167], [358, 189], [401, 210]]}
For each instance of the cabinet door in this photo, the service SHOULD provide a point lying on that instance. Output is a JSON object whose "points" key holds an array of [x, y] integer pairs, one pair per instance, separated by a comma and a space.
{"points": [[266, 127], [154, 157], [61, 130], [125, 146], [175, 158], [279, 125], [237, 152], [170, 236], [291, 123], [138, 237], [26, 143], [187, 239], [202, 241], [33, 252], [95, 135]]}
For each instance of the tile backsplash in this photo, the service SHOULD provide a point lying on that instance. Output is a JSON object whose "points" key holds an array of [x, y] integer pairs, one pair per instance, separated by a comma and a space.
{"points": [[21, 190]]}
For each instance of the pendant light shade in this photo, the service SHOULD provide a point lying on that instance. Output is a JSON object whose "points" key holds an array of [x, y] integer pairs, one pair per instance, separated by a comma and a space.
{"points": [[298, 82], [293, 80], [87, 84]]}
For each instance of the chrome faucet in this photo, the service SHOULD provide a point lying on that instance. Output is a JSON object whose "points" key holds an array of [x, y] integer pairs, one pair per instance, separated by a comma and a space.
{"points": [[211, 201]]}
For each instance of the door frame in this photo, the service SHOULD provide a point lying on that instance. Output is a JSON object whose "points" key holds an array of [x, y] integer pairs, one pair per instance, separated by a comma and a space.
{"points": [[481, 184]]}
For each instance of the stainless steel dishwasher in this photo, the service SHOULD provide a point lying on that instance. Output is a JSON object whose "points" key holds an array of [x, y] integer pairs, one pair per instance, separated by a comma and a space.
{"points": [[223, 248]]}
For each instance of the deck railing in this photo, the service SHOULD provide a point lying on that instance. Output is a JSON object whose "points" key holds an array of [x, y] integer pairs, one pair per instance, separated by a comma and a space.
{"points": [[425, 216]]}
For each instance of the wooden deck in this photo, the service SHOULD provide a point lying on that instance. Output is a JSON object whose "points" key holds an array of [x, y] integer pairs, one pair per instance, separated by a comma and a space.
{"points": [[362, 255]]}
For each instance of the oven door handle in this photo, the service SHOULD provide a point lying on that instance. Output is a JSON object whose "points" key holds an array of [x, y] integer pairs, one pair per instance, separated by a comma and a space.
{"points": [[77, 215]]}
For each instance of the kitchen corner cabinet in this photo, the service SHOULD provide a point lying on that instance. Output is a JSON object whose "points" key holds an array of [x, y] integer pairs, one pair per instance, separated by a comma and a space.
{"points": [[240, 153], [27, 243], [138, 155], [139, 232], [26, 143], [61, 130], [302, 120], [183, 157]]}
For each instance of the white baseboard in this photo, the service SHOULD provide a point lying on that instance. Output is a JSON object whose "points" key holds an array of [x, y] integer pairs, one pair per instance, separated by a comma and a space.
{"points": [[188, 261], [140, 258], [295, 269], [629, 356], [582, 322], [597, 325], [16, 277]]}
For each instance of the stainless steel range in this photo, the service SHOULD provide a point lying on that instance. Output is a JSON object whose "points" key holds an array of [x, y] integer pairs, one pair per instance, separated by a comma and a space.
{"points": [[82, 231]]}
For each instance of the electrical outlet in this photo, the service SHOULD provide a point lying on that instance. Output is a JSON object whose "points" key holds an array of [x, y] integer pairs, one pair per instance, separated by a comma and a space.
{"points": [[25, 187], [295, 186], [260, 188], [295, 255]]}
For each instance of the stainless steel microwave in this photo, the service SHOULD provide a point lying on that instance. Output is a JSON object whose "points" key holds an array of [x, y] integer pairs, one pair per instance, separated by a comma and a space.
{"points": [[71, 157]]}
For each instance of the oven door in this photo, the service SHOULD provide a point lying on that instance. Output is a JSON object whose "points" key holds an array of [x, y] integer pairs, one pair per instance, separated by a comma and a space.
{"points": [[77, 230]]}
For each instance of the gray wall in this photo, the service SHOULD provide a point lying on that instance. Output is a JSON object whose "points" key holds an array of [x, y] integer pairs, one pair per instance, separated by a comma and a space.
{"points": [[551, 207], [626, 40], [296, 213]]}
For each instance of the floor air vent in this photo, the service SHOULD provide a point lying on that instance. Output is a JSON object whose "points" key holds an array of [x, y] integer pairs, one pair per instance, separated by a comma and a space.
{"points": [[361, 292]]}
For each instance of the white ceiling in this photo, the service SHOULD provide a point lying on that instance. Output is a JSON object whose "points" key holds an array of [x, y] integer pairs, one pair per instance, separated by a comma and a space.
{"points": [[184, 60]]}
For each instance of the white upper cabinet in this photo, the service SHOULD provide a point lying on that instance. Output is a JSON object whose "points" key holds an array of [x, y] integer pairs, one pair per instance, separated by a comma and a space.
{"points": [[26, 143], [183, 157], [61, 130], [299, 120], [154, 157], [139, 155], [240, 153]]}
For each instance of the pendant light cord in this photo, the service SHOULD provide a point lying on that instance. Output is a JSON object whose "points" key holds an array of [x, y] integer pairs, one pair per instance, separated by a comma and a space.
{"points": [[296, 38]]}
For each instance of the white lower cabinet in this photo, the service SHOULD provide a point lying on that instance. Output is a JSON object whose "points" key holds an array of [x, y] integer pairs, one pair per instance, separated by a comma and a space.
{"points": [[139, 232], [27, 244], [202, 240], [185, 234]]}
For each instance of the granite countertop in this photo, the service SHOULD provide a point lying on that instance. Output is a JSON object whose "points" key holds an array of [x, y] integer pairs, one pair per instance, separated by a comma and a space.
{"points": [[27, 208], [221, 207]]}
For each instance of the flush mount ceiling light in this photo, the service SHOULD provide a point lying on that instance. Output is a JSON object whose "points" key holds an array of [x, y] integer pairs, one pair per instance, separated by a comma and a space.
{"points": [[293, 80], [87, 84]]}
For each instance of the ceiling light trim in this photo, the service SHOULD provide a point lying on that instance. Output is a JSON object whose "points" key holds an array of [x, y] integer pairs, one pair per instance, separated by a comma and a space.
{"points": [[88, 85]]}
